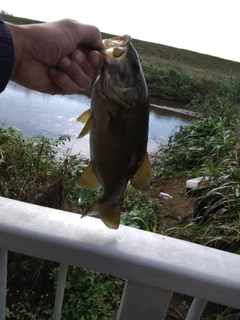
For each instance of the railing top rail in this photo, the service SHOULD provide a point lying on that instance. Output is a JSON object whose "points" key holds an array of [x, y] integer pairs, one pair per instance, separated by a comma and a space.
{"points": [[128, 253]]}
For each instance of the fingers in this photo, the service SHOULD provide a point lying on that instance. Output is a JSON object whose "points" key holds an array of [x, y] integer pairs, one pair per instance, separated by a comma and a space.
{"points": [[89, 35], [76, 71]]}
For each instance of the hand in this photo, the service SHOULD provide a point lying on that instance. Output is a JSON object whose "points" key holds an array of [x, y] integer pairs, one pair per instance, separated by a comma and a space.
{"points": [[56, 57]]}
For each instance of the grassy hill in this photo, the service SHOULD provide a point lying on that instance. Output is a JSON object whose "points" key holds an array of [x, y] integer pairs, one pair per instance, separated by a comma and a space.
{"points": [[148, 50], [201, 62], [17, 20]]}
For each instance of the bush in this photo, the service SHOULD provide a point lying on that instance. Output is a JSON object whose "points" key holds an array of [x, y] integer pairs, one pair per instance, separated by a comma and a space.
{"points": [[201, 144]]}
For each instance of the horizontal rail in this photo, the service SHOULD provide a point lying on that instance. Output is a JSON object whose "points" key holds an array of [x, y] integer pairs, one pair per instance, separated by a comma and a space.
{"points": [[139, 256]]}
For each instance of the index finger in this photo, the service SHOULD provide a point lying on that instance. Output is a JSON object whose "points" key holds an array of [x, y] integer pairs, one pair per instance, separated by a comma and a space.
{"points": [[91, 36]]}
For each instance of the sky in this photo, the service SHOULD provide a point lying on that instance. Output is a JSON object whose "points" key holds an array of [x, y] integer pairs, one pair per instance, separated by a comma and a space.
{"points": [[206, 26]]}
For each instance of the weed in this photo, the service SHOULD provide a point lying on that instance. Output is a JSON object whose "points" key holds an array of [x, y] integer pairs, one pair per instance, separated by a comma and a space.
{"points": [[87, 294], [209, 147]]}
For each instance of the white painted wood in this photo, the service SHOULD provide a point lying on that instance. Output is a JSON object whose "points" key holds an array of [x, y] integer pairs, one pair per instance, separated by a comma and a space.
{"points": [[143, 302], [3, 283], [196, 309], [62, 275]]}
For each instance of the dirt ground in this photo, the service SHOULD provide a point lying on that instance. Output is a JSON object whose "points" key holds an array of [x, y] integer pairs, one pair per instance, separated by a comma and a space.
{"points": [[179, 206], [181, 203]]}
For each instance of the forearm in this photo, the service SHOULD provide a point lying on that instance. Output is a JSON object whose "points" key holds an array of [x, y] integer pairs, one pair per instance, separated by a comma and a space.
{"points": [[17, 34], [6, 55]]}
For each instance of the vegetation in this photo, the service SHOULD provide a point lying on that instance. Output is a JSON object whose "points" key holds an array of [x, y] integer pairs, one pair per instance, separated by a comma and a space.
{"points": [[88, 295], [208, 148], [17, 20], [33, 169]]}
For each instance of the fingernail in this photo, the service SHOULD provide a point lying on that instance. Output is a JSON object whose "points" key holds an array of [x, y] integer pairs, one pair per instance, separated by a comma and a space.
{"points": [[65, 62], [78, 57]]}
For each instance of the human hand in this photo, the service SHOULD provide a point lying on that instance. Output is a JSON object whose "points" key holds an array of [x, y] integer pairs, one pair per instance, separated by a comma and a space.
{"points": [[56, 57]]}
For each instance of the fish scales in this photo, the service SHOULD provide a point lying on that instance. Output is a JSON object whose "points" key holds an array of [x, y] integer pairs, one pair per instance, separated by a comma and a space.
{"points": [[118, 124]]}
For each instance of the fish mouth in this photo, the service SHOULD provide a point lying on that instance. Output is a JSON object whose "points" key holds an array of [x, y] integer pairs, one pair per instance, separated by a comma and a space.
{"points": [[116, 47]]}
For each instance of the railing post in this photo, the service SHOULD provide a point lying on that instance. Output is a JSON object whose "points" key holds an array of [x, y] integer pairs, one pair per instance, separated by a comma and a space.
{"points": [[3, 283], [140, 301], [196, 309], [62, 274]]}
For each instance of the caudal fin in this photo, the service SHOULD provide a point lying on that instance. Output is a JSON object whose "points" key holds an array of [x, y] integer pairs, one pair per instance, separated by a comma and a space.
{"points": [[109, 214]]}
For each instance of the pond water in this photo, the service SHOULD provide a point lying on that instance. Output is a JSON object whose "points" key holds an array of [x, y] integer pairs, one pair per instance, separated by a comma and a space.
{"points": [[36, 113]]}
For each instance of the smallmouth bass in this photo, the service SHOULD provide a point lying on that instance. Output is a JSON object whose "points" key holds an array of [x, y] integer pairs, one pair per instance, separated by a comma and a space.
{"points": [[118, 125]]}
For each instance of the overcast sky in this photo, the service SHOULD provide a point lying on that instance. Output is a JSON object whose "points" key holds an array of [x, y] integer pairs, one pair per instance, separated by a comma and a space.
{"points": [[205, 26]]}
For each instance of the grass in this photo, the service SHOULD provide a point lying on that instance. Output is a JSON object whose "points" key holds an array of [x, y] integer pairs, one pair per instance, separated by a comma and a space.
{"points": [[16, 20], [209, 147]]}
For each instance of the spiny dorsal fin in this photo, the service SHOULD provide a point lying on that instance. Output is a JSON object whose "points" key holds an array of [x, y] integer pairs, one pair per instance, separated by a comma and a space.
{"points": [[88, 179], [84, 116], [86, 128], [109, 214], [141, 179]]}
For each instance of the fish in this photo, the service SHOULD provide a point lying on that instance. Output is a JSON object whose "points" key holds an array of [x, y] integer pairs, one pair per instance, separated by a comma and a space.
{"points": [[117, 121]]}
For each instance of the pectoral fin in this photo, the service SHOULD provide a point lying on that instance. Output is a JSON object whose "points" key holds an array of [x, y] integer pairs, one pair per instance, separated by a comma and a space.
{"points": [[85, 117], [88, 179], [141, 179]]}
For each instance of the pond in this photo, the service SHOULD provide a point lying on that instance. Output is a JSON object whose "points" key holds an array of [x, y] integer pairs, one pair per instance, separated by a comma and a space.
{"points": [[36, 113]]}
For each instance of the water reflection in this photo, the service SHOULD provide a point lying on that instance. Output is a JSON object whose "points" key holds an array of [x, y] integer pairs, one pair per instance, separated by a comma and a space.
{"points": [[164, 122], [35, 113]]}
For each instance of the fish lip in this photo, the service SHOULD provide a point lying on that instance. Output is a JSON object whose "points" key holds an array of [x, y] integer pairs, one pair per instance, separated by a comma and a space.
{"points": [[121, 41], [116, 47]]}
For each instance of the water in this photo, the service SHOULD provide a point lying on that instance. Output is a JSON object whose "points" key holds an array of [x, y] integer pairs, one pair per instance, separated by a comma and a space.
{"points": [[36, 113]]}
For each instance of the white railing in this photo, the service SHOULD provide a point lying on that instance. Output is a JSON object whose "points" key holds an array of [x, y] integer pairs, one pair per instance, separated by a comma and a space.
{"points": [[154, 266]]}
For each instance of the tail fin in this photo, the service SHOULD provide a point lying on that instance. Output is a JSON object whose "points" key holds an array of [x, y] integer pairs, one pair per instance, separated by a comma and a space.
{"points": [[109, 214]]}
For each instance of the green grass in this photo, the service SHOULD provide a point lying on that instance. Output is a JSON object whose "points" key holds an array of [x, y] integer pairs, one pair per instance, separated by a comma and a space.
{"points": [[209, 147], [17, 20], [202, 63]]}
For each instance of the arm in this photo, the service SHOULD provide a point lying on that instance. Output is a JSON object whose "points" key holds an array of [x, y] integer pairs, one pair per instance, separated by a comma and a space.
{"points": [[6, 55], [56, 57]]}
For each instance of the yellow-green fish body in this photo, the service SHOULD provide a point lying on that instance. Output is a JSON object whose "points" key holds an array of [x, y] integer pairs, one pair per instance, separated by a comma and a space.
{"points": [[118, 125]]}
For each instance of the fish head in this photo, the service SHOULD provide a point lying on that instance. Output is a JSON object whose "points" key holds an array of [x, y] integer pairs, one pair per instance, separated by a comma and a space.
{"points": [[122, 77]]}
